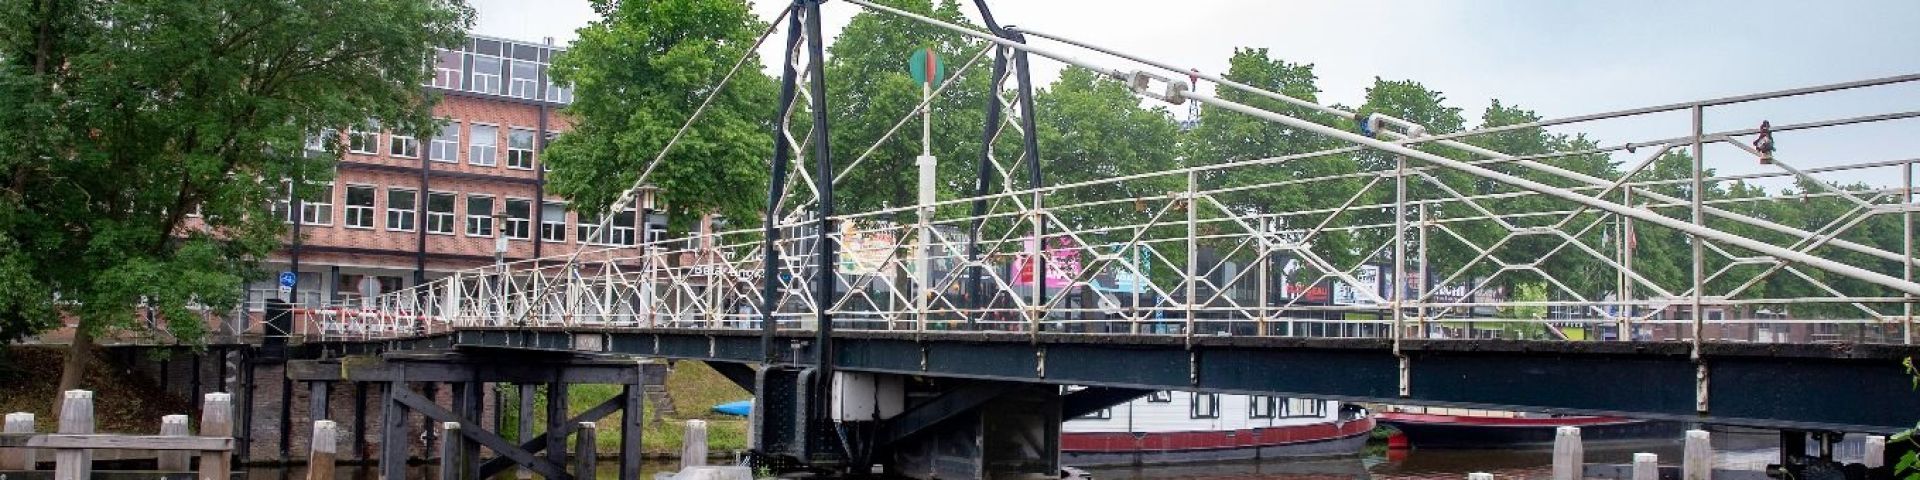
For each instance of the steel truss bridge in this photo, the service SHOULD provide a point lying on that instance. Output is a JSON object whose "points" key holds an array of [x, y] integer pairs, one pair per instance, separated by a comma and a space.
{"points": [[1177, 279]]}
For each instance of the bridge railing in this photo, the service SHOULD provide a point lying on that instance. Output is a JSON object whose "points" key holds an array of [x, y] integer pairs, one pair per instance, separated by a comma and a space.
{"points": [[1690, 224]]}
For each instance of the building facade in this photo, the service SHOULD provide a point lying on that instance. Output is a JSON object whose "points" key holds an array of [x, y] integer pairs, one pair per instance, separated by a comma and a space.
{"points": [[402, 210]]}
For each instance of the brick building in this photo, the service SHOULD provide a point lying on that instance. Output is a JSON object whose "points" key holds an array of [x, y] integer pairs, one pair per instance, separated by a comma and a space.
{"points": [[402, 210]]}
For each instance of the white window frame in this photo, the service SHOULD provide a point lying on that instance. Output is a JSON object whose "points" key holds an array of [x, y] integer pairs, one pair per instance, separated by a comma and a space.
{"points": [[449, 218], [523, 87], [450, 146], [559, 224], [447, 78], [318, 142], [395, 141], [1210, 402], [410, 214], [525, 224], [558, 93], [482, 81], [492, 147], [587, 229], [370, 132], [365, 212], [482, 221], [311, 211], [520, 158]]}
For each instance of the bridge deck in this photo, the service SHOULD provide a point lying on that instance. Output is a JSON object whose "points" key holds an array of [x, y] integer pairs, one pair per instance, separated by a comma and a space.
{"points": [[1842, 387]]}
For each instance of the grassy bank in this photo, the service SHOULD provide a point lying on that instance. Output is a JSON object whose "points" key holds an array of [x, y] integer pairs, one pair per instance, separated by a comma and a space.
{"points": [[122, 402], [695, 389]]}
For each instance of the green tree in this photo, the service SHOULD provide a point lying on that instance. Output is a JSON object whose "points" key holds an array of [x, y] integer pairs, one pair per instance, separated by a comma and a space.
{"points": [[125, 117], [638, 74]]}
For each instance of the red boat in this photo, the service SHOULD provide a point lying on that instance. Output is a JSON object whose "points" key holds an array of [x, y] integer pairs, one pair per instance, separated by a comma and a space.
{"points": [[1181, 427], [1455, 428]]}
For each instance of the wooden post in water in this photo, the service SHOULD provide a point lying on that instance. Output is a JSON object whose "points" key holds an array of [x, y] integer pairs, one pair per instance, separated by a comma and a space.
{"points": [[18, 458], [216, 420], [1698, 462], [1569, 456], [322, 450], [1646, 466], [174, 460], [586, 450], [76, 417], [693, 445], [449, 451], [1876, 451]]}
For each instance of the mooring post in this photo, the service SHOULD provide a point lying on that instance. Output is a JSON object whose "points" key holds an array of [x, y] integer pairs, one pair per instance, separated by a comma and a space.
{"points": [[585, 459], [1876, 452], [216, 420], [21, 458], [1569, 456], [693, 445], [449, 451], [475, 401], [317, 401], [1697, 464], [322, 450], [173, 460], [525, 412], [1646, 466], [76, 417]]}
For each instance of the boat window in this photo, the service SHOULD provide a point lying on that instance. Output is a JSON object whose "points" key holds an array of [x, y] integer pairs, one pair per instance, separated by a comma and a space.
{"points": [[1162, 396], [1205, 405], [1102, 414], [1260, 406]]}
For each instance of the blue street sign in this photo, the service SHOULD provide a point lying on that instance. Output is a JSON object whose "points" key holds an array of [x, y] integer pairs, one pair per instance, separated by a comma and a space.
{"points": [[286, 279]]}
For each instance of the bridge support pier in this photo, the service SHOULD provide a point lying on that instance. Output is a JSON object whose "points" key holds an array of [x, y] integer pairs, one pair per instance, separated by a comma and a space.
{"points": [[467, 378]]}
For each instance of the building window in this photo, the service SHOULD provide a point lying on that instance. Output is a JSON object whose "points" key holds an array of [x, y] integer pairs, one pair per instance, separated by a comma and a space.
{"points": [[524, 79], [486, 74], [440, 213], [1205, 405], [481, 144], [558, 93], [403, 145], [400, 208], [589, 226], [553, 222], [479, 216], [323, 140], [364, 138], [520, 149], [359, 209], [446, 69], [446, 143], [1162, 396], [1302, 407], [519, 219], [616, 232], [1102, 414], [1259, 406], [353, 286]]}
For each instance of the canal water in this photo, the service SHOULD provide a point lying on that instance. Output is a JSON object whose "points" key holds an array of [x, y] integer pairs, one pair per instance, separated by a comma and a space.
{"points": [[1736, 450]]}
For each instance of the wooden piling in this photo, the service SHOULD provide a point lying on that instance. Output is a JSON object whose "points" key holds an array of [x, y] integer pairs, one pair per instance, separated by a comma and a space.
{"points": [[1646, 466], [18, 458], [1697, 464], [322, 450], [1569, 455], [216, 420], [526, 415], [174, 460], [449, 451], [693, 448], [1876, 454], [76, 417], [584, 459]]}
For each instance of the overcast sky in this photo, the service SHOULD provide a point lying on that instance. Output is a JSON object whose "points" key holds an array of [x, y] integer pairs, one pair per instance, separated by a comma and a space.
{"points": [[1557, 58]]}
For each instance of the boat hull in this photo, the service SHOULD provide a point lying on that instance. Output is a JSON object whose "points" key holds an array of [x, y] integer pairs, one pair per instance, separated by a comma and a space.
{"points": [[1448, 431], [1328, 439]]}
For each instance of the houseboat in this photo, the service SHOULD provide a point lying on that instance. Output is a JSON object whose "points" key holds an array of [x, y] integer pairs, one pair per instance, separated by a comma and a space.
{"points": [[1179, 427]]}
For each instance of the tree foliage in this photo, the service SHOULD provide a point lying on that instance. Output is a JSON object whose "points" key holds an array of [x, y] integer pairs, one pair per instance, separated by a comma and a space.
{"points": [[126, 117], [638, 74]]}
